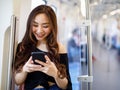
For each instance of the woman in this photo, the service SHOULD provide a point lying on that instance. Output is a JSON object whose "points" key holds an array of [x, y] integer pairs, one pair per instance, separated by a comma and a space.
{"points": [[41, 36]]}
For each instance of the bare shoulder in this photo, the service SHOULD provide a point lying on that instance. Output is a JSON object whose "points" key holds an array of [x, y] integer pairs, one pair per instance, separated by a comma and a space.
{"points": [[62, 48]]}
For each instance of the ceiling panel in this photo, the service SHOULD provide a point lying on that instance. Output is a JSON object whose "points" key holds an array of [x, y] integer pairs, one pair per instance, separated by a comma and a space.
{"points": [[103, 7]]}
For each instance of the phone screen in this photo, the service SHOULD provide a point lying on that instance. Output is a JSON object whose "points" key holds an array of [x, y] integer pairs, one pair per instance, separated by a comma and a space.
{"points": [[39, 56]]}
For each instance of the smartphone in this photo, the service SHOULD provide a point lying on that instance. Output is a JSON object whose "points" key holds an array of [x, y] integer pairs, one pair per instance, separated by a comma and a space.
{"points": [[39, 56]]}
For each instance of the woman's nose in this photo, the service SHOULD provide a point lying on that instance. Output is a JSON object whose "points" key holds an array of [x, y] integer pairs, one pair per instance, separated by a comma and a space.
{"points": [[39, 29]]}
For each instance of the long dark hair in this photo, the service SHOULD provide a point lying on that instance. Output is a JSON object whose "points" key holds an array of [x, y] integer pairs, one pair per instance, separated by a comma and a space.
{"points": [[29, 41]]}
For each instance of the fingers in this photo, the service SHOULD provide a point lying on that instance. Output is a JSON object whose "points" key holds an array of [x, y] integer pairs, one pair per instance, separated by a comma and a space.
{"points": [[32, 67], [29, 67], [44, 69], [40, 62], [47, 59]]}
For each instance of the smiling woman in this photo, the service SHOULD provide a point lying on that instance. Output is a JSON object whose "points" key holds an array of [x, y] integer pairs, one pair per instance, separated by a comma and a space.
{"points": [[41, 36]]}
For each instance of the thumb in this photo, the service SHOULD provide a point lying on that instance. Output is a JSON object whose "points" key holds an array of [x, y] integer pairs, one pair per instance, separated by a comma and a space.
{"points": [[29, 60]]}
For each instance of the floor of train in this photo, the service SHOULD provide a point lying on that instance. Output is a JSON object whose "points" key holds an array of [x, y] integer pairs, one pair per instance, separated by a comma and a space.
{"points": [[106, 70]]}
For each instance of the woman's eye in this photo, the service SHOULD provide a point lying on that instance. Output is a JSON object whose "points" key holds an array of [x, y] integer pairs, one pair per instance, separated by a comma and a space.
{"points": [[45, 26], [35, 25]]}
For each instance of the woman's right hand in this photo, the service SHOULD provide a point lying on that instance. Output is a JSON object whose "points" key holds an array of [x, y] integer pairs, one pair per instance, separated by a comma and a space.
{"points": [[26, 66], [30, 66]]}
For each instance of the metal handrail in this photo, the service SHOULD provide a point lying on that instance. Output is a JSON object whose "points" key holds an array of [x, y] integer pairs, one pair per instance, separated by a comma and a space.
{"points": [[11, 52]]}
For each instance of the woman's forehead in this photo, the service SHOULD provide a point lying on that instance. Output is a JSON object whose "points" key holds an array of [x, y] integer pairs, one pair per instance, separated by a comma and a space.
{"points": [[41, 18]]}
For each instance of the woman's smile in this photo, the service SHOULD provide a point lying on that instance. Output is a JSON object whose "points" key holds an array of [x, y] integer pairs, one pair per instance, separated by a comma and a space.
{"points": [[40, 35]]}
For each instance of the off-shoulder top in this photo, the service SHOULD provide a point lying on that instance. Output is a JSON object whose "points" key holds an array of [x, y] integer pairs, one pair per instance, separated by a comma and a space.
{"points": [[39, 78]]}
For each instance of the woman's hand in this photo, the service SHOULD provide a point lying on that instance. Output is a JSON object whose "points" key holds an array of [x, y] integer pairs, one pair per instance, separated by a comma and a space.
{"points": [[49, 67], [30, 66]]}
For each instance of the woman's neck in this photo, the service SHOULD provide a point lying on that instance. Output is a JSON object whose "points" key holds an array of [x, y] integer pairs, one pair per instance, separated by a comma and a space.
{"points": [[42, 46]]}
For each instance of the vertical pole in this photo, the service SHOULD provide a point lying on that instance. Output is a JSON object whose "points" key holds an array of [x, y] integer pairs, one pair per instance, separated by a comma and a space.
{"points": [[89, 43], [11, 52], [89, 40]]}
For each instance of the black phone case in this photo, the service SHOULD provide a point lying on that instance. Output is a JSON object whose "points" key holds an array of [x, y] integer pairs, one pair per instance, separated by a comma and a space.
{"points": [[39, 56]]}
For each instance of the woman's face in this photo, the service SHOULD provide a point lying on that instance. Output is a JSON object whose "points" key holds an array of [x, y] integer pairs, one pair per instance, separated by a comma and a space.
{"points": [[41, 27]]}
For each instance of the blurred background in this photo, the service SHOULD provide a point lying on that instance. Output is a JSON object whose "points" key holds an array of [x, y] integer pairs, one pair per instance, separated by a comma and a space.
{"points": [[75, 19]]}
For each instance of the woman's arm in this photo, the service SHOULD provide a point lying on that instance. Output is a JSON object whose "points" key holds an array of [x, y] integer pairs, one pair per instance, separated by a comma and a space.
{"points": [[20, 77], [64, 60], [62, 83]]}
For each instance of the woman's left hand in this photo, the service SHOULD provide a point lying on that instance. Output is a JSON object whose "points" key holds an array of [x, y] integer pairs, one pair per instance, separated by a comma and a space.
{"points": [[48, 67]]}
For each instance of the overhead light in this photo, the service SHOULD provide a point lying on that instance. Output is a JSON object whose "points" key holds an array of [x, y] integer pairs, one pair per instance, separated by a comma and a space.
{"points": [[94, 4], [104, 16], [83, 8], [115, 11]]}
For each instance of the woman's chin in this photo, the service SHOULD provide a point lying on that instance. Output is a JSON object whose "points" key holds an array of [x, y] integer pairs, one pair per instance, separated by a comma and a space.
{"points": [[40, 39]]}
